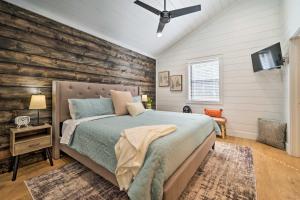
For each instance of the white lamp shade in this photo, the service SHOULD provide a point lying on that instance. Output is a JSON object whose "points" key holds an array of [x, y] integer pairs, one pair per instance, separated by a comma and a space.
{"points": [[38, 101], [144, 98]]}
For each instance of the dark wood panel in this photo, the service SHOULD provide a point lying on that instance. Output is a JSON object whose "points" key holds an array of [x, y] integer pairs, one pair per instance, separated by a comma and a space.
{"points": [[27, 36], [7, 117], [31, 59], [12, 80], [34, 51], [20, 73], [22, 92], [33, 27], [22, 13]]}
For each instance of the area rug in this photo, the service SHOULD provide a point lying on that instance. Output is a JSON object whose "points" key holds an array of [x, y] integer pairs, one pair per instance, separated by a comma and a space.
{"points": [[226, 173]]}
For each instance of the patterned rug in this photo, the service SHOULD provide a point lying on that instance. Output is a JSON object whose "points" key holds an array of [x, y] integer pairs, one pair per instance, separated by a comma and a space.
{"points": [[226, 173]]}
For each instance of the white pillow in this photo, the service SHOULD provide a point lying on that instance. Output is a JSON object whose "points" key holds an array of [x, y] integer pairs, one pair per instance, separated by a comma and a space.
{"points": [[71, 109], [135, 109], [120, 100]]}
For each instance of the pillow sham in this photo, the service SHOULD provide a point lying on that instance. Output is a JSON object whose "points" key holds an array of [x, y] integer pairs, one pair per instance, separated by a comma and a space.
{"points": [[213, 113], [81, 108], [120, 99], [137, 99], [134, 99], [135, 109], [272, 132]]}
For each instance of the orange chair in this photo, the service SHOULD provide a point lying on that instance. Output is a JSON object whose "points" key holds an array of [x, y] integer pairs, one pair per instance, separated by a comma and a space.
{"points": [[217, 116]]}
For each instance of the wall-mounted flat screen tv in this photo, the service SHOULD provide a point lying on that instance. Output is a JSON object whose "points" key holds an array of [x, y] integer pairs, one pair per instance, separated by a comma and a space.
{"points": [[268, 58]]}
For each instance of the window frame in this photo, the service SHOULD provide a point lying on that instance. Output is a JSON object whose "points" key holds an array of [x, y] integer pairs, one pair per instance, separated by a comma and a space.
{"points": [[201, 60]]}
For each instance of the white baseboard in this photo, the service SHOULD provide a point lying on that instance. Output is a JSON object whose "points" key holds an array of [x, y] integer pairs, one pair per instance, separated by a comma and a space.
{"points": [[253, 136], [290, 151], [287, 148], [243, 134]]}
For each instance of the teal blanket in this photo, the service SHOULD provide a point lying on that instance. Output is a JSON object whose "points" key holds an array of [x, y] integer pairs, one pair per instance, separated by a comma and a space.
{"points": [[96, 139]]}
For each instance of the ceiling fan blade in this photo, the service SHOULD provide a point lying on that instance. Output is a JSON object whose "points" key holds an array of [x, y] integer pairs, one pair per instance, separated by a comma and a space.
{"points": [[184, 11], [147, 7], [160, 27]]}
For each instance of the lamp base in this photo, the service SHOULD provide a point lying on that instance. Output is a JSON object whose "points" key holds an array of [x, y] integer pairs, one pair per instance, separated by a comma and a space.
{"points": [[37, 123]]}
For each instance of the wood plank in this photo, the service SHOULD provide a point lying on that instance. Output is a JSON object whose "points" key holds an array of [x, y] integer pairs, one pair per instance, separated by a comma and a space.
{"points": [[4, 141], [22, 92], [34, 27], [272, 167], [25, 36], [19, 46], [98, 59], [4, 154], [31, 59], [55, 73], [19, 104], [24, 14], [5, 116], [14, 104], [12, 80], [4, 128]]}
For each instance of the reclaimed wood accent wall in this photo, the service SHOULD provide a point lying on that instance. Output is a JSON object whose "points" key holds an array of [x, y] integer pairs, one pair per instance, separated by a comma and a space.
{"points": [[35, 50]]}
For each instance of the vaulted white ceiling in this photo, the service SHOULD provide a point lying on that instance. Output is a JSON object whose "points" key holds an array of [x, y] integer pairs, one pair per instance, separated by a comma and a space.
{"points": [[125, 23]]}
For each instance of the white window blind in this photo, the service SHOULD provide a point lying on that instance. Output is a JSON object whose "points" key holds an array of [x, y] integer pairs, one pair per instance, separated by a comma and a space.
{"points": [[204, 81]]}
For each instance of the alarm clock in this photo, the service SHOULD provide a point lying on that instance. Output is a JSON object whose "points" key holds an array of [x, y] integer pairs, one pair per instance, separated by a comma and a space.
{"points": [[22, 121]]}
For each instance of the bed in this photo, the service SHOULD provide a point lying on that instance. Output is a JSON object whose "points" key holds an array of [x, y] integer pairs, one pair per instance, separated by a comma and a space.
{"points": [[189, 146]]}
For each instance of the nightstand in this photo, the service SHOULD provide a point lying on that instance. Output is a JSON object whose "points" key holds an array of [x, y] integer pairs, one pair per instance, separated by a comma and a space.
{"points": [[29, 139]]}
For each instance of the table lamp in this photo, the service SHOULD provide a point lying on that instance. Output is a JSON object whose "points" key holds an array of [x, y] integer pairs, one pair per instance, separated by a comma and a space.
{"points": [[144, 99], [37, 102]]}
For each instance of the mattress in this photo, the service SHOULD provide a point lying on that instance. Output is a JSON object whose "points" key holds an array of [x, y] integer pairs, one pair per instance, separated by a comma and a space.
{"points": [[97, 138]]}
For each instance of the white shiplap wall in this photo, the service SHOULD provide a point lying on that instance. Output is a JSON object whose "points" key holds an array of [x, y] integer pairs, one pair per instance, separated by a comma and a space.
{"points": [[290, 18], [235, 33]]}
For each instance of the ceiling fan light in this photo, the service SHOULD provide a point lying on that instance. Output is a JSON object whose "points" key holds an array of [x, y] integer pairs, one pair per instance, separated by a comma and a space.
{"points": [[165, 16]]}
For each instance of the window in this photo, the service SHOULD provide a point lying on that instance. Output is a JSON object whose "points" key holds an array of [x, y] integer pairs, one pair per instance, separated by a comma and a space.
{"points": [[204, 81]]}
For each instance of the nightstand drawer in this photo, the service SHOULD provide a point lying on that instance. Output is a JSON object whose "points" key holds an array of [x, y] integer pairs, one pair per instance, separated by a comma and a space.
{"points": [[32, 145]]}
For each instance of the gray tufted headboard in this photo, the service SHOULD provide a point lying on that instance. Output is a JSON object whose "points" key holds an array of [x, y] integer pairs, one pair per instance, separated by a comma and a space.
{"points": [[64, 90]]}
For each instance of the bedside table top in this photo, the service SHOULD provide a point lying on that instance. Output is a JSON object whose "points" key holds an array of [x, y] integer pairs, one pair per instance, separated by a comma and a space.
{"points": [[29, 128]]}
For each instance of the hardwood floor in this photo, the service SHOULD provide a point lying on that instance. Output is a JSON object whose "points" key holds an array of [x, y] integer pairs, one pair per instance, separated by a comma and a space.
{"points": [[17, 190], [277, 174]]}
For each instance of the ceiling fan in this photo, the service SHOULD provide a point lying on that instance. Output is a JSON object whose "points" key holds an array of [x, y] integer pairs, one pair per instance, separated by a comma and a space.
{"points": [[166, 16]]}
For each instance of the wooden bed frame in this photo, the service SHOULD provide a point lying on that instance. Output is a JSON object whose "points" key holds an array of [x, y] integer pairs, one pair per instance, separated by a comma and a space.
{"points": [[64, 90]]}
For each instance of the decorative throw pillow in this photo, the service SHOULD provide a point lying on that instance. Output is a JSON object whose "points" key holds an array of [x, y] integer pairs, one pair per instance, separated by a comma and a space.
{"points": [[272, 132], [81, 108], [137, 99], [120, 100], [135, 109], [213, 113], [71, 109], [134, 99]]}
